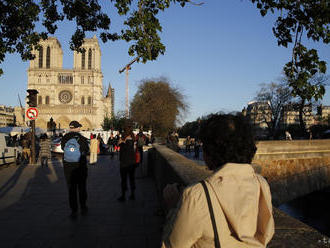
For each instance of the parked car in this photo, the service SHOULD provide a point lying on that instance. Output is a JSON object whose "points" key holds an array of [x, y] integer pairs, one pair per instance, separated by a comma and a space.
{"points": [[9, 151], [56, 145]]}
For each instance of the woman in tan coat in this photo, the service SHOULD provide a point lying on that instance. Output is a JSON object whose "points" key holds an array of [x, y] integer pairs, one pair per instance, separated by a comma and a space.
{"points": [[240, 199], [93, 150]]}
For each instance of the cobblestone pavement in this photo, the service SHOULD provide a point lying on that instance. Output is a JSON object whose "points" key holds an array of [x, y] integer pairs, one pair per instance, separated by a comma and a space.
{"points": [[34, 209]]}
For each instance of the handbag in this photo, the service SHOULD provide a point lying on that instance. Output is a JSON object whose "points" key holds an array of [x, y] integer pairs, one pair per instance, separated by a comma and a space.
{"points": [[214, 225], [137, 156]]}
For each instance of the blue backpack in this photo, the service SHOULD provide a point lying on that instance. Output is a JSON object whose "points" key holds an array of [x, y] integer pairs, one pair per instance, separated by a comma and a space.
{"points": [[72, 151]]}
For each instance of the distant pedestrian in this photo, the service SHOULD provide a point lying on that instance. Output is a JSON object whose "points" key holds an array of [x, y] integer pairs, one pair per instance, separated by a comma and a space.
{"points": [[288, 135], [26, 144], [100, 148], [75, 148], [140, 142], [45, 150], [111, 144], [196, 149], [127, 163], [188, 144], [93, 150]]}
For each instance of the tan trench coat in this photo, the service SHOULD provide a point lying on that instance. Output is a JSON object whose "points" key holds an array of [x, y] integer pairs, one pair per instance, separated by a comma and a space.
{"points": [[242, 205]]}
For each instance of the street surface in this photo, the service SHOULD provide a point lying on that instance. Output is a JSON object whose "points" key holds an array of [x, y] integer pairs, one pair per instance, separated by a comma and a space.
{"points": [[34, 209]]}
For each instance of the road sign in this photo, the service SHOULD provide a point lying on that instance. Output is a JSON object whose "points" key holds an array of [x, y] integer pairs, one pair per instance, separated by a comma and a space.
{"points": [[32, 113]]}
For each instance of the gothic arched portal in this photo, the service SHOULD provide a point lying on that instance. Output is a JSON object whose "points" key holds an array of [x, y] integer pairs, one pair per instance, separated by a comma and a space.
{"points": [[86, 124], [62, 122]]}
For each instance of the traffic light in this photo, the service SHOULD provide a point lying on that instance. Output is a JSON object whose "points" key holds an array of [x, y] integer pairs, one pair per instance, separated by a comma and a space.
{"points": [[32, 97]]}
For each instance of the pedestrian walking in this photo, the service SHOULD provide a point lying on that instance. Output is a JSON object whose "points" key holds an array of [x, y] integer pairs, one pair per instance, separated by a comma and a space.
{"points": [[188, 143], [100, 144], [196, 148], [127, 163], [140, 142], [93, 148], [45, 150], [75, 149], [26, 144], [111, 144]]}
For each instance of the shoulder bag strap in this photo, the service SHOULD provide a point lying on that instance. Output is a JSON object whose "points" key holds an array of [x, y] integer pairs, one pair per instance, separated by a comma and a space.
{"points": [[209, 203]]}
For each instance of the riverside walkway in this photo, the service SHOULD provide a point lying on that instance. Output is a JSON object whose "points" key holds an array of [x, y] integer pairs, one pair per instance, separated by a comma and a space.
{"points": [[34, 209]]}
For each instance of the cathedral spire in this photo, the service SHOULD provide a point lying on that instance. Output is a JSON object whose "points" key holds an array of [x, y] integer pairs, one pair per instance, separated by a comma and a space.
{"points": [[109, 90]]}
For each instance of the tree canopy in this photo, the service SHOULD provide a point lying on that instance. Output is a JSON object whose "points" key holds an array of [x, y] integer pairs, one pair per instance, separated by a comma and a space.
{"points": [[157, 105], [18, 19], [297, 18], [275, 96]]}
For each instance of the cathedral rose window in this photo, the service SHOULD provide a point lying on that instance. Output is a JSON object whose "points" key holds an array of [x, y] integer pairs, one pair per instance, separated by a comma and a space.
{"points": [[65, 96]]}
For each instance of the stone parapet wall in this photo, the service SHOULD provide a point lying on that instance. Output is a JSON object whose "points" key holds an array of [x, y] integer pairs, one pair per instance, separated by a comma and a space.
{"points": [[282, 149], [294, 168], [168, 166]]}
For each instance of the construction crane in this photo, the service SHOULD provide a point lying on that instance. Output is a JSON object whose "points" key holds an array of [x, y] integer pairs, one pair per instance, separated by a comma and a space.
{"points": [[127, 68]]}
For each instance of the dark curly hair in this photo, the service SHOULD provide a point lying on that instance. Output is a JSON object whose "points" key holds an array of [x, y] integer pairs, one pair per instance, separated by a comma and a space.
{"points": [[226, 138]]}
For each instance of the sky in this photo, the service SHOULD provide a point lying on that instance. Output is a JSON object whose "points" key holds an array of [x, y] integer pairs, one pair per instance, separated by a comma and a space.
{"points": [[217, 55]]}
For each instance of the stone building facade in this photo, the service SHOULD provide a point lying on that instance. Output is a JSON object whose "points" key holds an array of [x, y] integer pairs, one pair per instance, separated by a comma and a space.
{"points": [[69, 94], [7, 117], [11, 116]]}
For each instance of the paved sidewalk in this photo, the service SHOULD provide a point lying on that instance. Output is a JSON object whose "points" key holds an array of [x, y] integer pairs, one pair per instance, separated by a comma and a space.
{"points": [[34, 209]]}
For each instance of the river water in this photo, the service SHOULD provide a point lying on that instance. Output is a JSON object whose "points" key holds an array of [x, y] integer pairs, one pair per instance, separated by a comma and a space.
{"points": [[312, 209]]}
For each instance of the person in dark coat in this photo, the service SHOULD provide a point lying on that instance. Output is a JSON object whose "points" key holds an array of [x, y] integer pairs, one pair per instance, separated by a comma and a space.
{"points": [[45, 150], [111, 144], [76, 172], [127, 163]]}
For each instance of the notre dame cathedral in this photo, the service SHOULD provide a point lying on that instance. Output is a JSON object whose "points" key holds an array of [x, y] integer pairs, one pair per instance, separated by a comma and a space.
{"points": [[70, 94]]}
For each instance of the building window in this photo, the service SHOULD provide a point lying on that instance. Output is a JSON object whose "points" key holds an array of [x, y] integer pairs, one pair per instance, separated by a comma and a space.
{"points": [[83, 100], [48, 57], [65, 78], [89, 100], [83, 60], [82, 79], [89, 58], [39, 100], [39, 79], [41, 54], [47, 99]]}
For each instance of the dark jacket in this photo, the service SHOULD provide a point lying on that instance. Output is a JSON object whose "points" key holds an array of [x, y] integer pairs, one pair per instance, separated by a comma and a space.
{"points": [[82, 141], [126, 153]]}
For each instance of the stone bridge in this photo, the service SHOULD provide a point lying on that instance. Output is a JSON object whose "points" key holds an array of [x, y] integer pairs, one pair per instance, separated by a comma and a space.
{"points": [[292, 168]]}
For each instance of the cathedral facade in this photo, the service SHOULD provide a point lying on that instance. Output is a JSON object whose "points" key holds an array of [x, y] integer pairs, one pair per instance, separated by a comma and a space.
{"points": [[70, 94]]}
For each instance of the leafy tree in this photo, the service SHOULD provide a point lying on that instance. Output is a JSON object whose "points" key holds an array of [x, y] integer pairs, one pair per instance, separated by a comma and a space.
{"points": [[18, 19], [306, 77], [275, 96], [296, 18], [189, 129], [115, 122], [158, 106]]}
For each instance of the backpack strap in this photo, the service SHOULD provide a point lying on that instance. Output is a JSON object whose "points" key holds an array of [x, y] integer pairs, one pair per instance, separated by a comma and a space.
{"points": [[214, 225]]}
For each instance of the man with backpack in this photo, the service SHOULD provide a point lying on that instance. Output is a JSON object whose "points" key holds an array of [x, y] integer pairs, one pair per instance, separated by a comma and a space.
{"points": [[75, 148]]}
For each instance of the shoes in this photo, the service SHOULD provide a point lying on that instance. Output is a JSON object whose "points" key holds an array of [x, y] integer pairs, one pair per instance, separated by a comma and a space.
{"points": [[74, 215], [84, 211], [121, 199]]}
